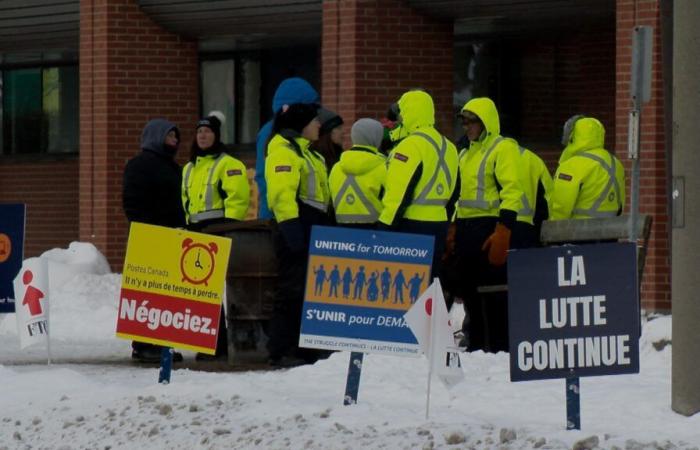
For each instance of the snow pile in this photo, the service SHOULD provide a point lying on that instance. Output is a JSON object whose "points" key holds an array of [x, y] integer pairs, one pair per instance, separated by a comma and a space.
{"points": [[111, 404]]}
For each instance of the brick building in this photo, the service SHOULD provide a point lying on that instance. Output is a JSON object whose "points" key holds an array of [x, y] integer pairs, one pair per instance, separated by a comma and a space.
{"points": [[81, 77]]}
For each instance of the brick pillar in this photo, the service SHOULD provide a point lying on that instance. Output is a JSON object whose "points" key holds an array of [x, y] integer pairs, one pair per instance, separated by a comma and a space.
{"points": [[131, 71], [654, 199], [373, 51]]}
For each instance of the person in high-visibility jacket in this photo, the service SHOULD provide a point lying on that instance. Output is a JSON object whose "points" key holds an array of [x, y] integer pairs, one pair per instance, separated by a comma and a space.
{"points": [[298, 196], [357, 180], [536, 183], [214, 190], [215, 185], [422, 176], [487, 210], [590, 181]]}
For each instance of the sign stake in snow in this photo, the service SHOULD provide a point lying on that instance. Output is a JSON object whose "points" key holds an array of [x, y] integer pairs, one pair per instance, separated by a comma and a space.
{"points": [[352, 385], [573, 404], [573, 311]]}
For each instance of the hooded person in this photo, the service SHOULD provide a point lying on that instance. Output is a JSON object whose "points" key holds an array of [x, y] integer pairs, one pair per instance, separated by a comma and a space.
{"points": [[357, 180], [330, 136], [298, 196], [151, 195], [290, 91], [590, 181], [489, 201], [422, 176]]}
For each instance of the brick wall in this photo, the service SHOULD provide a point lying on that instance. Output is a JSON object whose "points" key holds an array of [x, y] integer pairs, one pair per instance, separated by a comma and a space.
{"points": [[50, 191], [131, 70], [563, 75], [654, 199], [373, 51]]}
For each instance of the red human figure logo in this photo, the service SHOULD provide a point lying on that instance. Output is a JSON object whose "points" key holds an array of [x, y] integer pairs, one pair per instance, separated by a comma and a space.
{"points": [[32, 295]]}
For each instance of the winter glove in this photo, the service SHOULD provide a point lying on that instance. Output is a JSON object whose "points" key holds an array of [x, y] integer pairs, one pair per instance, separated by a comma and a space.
{"points": [[497, 245], [293, 235]]}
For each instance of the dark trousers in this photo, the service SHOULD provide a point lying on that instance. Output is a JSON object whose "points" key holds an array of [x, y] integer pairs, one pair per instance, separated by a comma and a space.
{"points": [[289, 299], [486, 321]]}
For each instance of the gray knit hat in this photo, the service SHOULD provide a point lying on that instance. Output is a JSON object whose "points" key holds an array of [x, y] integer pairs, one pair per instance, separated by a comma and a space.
{"points": [[367, 132]]}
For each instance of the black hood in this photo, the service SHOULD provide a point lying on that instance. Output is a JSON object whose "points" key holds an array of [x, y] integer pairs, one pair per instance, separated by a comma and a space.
{"points": [[153, 137]]}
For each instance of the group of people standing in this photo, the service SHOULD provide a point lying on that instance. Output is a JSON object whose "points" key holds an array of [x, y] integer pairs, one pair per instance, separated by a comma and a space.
{"points": [[399, 175]]}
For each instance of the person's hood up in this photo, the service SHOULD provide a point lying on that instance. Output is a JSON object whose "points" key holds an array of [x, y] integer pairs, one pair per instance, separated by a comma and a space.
{"points": [[360, 160], [485, 109], [293, 90], [417, 110], [153, 136], [588, 134]]}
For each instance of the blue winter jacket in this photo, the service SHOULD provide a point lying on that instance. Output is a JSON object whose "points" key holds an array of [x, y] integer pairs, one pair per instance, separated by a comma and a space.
{"points": [[291, 90]]}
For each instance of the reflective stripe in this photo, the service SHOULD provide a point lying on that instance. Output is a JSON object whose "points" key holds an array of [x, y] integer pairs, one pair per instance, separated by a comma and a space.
{"points": [[422, 198], [595, 214], [212, 214], [526, 210], [356, 218], [612, 182], [480, 203], [209, 195], [314, 204], [311, 180], [372, 214]]}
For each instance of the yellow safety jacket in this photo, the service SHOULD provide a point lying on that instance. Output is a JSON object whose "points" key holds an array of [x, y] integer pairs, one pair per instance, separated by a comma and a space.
{"points": [[215, 187], [357, 185], [590, 181], [489, 168], [533, 172], [424, 197], [294, 173]]}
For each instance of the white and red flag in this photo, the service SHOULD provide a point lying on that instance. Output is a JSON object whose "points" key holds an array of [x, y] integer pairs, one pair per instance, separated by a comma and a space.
{"points": [[430, 323], [32, 302]]}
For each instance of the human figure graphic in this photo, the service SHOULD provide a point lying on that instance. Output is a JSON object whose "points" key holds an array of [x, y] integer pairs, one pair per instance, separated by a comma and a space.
{"points": [[399, 285], [347, 281], [320, 279], [386, 284], [334, 279], [372, 288], [32, 295], [414, 284], [359, 280]]}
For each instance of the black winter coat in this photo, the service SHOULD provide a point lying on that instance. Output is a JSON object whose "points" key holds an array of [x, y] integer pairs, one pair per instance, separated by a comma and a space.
{"points": [[153, 181]]}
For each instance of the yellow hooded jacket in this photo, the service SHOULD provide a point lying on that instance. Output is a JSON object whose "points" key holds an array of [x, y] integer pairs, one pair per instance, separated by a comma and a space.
{"points": [[533, 172], [294, 172], [213, 187], [489, 169], [590, 181], [422, 168], [357, 185]]}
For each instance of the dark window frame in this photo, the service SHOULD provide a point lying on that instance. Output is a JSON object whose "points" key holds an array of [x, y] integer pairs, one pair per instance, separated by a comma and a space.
{"points": [[41, 156]]}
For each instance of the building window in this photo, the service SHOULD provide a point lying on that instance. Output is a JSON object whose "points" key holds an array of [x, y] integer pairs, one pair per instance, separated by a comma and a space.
{"points": [[232, 87], [39, 110], [241, 86]]}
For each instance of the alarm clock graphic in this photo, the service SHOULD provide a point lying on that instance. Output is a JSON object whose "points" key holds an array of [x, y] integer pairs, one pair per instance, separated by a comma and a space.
{"points": [[197, 261]]}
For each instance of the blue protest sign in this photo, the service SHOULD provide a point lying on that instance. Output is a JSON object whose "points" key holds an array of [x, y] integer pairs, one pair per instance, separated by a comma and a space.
{"points": [[359, 284], [11, 252], [573, 311]]}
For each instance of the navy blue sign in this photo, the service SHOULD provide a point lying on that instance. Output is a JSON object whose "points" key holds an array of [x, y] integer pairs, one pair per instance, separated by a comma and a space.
{"points": [[11, 252], [573, 311], [359, 285]]}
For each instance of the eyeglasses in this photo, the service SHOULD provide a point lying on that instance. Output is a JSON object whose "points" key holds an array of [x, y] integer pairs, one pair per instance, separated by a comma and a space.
{"points": [[470, 121]]}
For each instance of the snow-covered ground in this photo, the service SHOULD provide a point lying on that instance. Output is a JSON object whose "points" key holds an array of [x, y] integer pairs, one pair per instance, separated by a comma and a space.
{"points": [[91, 397]]}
